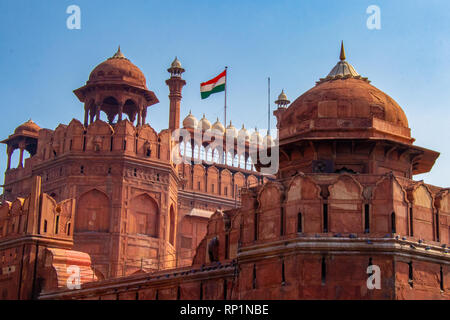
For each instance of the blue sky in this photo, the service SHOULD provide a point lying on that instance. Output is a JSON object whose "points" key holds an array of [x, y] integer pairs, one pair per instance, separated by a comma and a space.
{"points": [[294, 42]]}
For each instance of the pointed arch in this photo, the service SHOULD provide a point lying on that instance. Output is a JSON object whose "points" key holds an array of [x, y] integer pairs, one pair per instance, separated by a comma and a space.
{"points": [[302, 187], [144, 216], [346, 188], [93, 212]]}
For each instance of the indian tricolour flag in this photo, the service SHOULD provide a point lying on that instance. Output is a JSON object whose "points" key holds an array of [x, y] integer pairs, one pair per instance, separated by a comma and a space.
{"points": [[214, 85]]}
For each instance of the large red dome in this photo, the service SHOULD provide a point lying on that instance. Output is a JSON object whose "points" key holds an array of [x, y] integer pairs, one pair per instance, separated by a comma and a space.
{"points": [[118, 69], [344, 105], [353, 98]]}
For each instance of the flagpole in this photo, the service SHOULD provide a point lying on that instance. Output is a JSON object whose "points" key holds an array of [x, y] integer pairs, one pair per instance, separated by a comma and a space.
{"points": [[268, 104], [225, 108]]}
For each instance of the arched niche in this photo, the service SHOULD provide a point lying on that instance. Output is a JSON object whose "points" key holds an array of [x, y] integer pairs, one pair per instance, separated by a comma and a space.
{"points": [[302, 188], [252, 181], [345, 206], [226, 183], [305, 203], [199, 177], [93, 212], [422, 197], [270, 196], [213, 180], [144, 216], [239, 181], [345, 188]]}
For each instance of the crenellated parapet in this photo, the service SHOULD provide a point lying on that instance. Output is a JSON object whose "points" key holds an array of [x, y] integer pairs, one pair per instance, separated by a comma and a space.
{"points": [[36, 240], [344, 204], [19, 218], [101, 137]]}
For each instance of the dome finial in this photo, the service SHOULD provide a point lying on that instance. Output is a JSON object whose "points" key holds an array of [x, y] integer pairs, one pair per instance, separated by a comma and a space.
{"points": [[342, 55], [118, 54], [176, 63]]}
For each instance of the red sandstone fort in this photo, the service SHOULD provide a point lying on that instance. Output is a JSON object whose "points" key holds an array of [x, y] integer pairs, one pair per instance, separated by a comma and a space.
{"points": [[102, 204]]}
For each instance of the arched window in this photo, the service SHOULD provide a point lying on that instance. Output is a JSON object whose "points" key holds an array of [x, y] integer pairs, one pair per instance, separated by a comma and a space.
{"points": [[209, 155], [411, 222], [324, 270], [181, 145], [249, 164], [57, 224], [188, 151], [366, 218], [230, 157], [299, 223], [325, 217], [393, 226], [196, 152], [172, 226], [202, 153], [216, 155]]}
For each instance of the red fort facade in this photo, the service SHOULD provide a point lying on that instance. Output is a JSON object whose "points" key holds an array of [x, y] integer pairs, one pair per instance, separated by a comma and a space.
{"points": [[105, 198]]}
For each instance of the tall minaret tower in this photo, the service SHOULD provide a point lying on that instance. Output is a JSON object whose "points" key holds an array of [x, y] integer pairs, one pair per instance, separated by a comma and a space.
{"points": [[175, 84]]}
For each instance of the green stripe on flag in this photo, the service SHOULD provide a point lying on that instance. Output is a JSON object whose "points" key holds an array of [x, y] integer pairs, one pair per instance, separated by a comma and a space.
{"points": [[219, 88]]}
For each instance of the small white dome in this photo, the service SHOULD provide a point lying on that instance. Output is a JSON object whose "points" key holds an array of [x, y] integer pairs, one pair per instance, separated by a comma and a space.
{"points": [[243, 133], [204, 124], [190, 121], [231, 131], [218, 127], [256, 137]]}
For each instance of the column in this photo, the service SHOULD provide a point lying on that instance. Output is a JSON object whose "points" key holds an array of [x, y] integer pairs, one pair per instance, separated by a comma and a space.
{"points": [[21, 146], [86, 115], [9, 151], [91, 115], [144, 115], [120, 111], [97, 112], [139, 121]]}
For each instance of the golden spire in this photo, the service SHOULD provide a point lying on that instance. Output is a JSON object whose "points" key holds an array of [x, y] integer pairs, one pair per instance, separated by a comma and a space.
{"points": [[342, 56]]}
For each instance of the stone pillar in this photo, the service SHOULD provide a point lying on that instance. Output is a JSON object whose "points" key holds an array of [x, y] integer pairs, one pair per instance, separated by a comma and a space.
{"points": [[21, 147], [86, 116], [91, 115], [144, 115], [133, 117], [139, 121], [120, 111], [97, 112], [9, 151]]}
